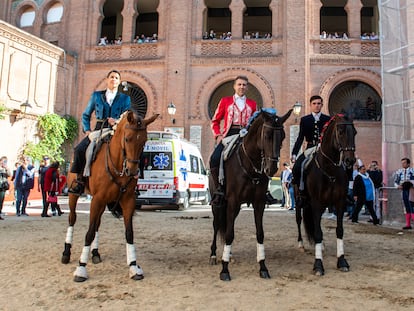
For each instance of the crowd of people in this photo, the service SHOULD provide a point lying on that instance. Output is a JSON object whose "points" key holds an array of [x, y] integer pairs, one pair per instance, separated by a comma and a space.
{"points": [[228, 36], [50, 184], [344, 36], [103, 41]]}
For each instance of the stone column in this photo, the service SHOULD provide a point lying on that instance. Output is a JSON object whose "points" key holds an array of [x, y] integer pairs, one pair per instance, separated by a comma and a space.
{"points": [[199, 22], [128, 26], [353, 9], [277, 18], [316, 19], [236, 8]]}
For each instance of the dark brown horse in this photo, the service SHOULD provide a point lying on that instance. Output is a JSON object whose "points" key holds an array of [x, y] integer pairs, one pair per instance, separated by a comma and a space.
{"points": [[326, 184], [247, 170], [112, 179]]}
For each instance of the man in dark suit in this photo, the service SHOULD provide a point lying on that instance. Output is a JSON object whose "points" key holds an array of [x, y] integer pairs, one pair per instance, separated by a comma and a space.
{"points": [[310, 129]]}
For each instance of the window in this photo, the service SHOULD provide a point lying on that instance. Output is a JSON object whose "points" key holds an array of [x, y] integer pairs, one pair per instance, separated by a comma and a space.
{"points": [[55, 13], [27, 18], [194, 164]]}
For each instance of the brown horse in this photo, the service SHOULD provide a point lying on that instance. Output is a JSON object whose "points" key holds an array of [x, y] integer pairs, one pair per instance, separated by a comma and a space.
{"points": [[326, 184], [112, 179], [247, 170]]}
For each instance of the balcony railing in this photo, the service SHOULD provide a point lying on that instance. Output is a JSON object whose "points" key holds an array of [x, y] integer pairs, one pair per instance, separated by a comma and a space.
{"points": [[355, 47], [257, 48]]}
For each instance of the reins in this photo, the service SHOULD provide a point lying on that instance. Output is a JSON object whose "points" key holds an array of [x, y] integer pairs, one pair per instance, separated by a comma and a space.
{"points": [[341, 151], [259, 171]]}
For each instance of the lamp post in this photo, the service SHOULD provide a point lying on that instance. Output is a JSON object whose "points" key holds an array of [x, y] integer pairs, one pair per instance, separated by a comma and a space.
{"points": [[171, 111], [25, 107], [297, 107]]}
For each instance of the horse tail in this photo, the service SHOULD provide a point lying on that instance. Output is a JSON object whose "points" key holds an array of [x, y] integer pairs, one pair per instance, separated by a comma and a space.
{"points": [[308, 215]]}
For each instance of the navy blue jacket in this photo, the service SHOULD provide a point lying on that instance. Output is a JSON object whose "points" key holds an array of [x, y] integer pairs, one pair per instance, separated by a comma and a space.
{"points": [[103, 111], [310, 131]]}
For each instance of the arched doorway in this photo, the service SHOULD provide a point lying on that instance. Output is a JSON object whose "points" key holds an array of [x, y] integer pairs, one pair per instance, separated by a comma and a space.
{"points": [[226, 89], [357, 99], [139, 101]]}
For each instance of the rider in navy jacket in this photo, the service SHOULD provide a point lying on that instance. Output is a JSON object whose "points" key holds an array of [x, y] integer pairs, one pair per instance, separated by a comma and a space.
{"points": [[108, 106]]}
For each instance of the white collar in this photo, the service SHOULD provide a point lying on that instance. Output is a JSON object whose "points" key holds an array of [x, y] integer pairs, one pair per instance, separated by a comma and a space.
{"points": [[316, 116], [236, 97]]}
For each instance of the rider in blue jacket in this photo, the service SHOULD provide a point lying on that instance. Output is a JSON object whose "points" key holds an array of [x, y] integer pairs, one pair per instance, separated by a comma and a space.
{"points": [[108, 106]]}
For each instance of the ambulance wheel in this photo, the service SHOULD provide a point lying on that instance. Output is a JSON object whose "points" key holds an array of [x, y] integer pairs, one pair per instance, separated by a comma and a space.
{"points": [[185, 205]]}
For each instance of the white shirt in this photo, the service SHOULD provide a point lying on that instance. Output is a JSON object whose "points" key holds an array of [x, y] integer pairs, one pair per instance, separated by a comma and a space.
{"points": [[110, 96], [240, 102], [316, 116]]}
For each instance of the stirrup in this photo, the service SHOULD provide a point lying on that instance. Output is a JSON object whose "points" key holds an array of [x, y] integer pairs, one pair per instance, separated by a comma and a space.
{"points": [[77, 188]]}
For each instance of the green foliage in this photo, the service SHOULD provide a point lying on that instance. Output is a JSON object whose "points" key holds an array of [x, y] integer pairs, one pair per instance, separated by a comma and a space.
{"points": [[2, 110], [53, 131]]}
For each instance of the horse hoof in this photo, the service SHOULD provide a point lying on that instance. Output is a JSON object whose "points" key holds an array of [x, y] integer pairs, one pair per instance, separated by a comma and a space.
{"points": [[213, 261], [79, 279], [318, 272], [264, 274], [137, 277], [342, 264], [65, 259], [225, 276], [96, 259]]}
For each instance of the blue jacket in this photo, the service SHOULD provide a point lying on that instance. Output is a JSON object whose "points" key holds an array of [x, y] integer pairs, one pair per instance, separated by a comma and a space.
{"points": [[97, 103]]}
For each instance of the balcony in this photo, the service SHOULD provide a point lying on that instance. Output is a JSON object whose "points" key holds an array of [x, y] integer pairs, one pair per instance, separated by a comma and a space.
{"points": [[352, 47], [127, 52]]}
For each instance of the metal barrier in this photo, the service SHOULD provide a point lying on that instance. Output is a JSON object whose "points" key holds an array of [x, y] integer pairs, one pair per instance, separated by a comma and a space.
{"points": [[392, 207]]}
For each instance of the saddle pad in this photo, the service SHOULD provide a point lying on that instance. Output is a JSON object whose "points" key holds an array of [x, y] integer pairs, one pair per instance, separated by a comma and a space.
{"points": [[94, 137], [229, 143]]}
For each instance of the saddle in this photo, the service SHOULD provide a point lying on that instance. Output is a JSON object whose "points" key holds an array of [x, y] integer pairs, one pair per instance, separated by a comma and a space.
{"points": [[309, 154], [97, 138]]}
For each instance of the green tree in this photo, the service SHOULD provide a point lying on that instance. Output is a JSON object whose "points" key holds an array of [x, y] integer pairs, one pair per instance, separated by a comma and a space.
{"points": [[54, 131]]}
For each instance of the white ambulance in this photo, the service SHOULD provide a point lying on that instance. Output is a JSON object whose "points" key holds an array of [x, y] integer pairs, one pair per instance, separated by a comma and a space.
{"points": [[172, 173]]}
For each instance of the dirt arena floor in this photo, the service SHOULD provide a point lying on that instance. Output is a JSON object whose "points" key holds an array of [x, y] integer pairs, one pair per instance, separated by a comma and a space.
{"points": [[173, 249]]}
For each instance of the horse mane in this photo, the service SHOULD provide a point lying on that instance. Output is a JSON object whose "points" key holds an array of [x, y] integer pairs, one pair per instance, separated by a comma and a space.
{"points": [[123, 115], [257, 113], [326, 125]]}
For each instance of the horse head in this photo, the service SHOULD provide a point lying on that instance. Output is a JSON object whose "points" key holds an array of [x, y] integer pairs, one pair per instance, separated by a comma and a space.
{"points": [[338, 141], [132, 134], [269, 132]]}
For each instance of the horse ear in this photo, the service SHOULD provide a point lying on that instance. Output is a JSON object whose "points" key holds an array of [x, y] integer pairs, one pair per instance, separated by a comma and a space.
{"points": [[152, 119], [286, 116], [130, 116]]}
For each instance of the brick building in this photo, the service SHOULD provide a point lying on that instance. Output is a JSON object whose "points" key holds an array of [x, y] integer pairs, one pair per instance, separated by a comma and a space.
{"points": [[290, 50]]}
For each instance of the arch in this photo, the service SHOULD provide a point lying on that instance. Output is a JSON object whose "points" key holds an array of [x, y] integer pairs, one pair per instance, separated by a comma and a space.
{"points": [[26, 15], [368, 77], [54, 12], [223, 76]]}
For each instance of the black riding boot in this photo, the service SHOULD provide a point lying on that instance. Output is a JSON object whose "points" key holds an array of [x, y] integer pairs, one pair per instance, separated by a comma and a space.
{"points": [[44, 212], [218, 194], [77, 185]]}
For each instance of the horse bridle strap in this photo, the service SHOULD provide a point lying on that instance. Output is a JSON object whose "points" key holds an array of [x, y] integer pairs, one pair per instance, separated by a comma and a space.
{"points": [[340, 149]]}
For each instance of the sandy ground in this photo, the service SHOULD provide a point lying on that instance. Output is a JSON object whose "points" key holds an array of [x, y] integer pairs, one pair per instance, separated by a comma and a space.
{"points": [[173, 249]]}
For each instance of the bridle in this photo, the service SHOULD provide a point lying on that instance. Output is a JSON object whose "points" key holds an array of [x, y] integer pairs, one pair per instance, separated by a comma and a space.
{"points": [[263, 158], [123, 172]]}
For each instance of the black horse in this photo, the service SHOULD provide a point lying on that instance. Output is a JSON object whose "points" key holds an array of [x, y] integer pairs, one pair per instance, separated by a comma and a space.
{"points": [[247, 170], [326, 184]]}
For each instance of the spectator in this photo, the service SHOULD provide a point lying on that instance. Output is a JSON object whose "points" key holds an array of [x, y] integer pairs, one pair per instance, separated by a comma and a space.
{"points": [[350, 195], [44, 166], [23, 183], [103, 41], [53, 188], [375, 174], [4, 183], [246, 36], [364, 194], [212, 35], [287, 187], [404, 180], [119, 40]]}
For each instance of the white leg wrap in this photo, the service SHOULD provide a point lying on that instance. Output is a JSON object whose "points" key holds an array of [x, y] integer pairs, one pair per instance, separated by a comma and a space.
{"points": [[81, 271], [135, 270], [85, 254], [95, 242], [69, 235], [339, 248], [260, 252], [130, 251], [318, 251], [226, 253]]}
